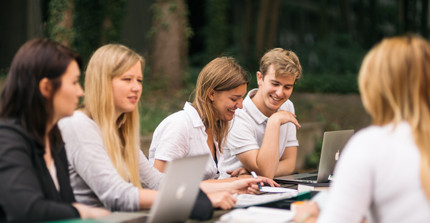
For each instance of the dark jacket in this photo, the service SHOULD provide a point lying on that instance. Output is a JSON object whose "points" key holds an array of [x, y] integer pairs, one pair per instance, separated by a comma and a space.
{"points": [[27, 191]]}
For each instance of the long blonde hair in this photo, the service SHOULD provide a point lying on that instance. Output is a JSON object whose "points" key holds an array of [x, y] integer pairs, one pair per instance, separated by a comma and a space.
{"points": [[221, 74], [394, 82], [120, 135]]}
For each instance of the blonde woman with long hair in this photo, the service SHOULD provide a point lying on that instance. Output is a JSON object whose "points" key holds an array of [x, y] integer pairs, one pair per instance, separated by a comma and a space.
{"points": [[107, 167], [384, 171]]}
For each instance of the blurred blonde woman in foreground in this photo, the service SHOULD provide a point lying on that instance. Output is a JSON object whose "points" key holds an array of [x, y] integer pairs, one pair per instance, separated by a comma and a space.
{"points": [[384, 172]]}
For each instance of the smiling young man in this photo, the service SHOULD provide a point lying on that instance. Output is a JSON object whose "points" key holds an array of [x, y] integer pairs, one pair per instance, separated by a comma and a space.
{"points": [[262, 137]]}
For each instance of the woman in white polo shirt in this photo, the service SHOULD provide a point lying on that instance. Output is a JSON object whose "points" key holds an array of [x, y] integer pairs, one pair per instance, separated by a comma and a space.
{"points": [[201, 127]]}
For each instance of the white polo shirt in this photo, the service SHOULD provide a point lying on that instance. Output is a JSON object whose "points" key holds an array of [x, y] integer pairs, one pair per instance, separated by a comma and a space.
{"points": [[182, 134], [247, 131]]}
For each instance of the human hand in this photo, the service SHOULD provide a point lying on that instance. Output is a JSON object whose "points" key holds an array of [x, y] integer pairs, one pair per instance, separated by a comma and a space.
{"points": [[307, 212], [237, 172], [249, 185], [86, 211], [268, 181], [283, 117], [223, 200]]}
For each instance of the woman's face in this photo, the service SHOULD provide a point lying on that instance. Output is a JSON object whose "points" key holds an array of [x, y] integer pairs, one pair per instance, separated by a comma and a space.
{"points": [[127, 89], [226, 102], [66, 98]]}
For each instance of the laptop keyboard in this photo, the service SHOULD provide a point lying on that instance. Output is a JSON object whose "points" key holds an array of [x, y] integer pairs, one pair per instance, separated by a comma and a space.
{"points": [[309, 178]]}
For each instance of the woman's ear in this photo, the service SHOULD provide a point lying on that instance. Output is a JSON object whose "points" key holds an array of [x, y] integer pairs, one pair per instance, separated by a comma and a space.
{"points": [[45, 87], [211, 95]]}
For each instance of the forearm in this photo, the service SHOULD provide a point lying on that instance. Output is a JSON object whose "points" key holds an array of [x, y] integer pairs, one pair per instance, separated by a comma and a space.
{"points": [[287, 163], [285, 167], [267, 159], [146, 198], [212, 186]]}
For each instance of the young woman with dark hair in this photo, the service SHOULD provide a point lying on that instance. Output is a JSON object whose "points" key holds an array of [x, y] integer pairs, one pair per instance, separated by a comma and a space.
{"points": [[41, 88]]}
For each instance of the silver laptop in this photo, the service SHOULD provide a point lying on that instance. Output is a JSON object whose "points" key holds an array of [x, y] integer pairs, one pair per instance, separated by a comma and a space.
{"points": [[176, 196], [333, 143]]}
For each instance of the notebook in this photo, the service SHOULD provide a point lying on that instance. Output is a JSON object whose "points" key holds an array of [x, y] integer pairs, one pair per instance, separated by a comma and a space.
{"points": [[333, 143], [176, 196]]}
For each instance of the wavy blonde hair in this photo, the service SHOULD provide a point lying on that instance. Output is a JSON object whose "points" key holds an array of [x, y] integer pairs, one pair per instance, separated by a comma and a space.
{"points": [[120, 135], [394, 82], [221, 74]]}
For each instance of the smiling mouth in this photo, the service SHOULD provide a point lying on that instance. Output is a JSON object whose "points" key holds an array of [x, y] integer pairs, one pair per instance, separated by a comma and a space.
{"points": [[275, 98]]}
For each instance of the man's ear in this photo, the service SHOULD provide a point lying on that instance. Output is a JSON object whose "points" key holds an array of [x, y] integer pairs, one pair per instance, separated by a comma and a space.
{"points": [[45, 87], [211, 95], [259, 78]]}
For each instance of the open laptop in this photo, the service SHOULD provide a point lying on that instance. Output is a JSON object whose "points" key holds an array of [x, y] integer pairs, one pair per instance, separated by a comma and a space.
{"points": [[333, 143], [176, 196]]}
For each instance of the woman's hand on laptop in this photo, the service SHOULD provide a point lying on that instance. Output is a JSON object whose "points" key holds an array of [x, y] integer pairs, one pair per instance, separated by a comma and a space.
{"points": [[86, 211]]}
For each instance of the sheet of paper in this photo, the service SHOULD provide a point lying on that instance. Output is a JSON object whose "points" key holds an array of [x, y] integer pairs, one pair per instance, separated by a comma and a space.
{"points": [[257, 214], [268, 189], [246, 200]]}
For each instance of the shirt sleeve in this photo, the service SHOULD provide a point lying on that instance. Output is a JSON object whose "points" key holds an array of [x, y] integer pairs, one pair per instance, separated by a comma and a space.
{"points": [[87, 155], [350, 195], [241, 137], [171, 138], [291, 139], [22, 198], [150, 177]]}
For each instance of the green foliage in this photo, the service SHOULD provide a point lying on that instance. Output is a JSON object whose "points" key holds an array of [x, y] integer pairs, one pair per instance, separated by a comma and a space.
{"points": [[324, 83], [55, 28], [218, 30], [88, 18], [312, 160]]}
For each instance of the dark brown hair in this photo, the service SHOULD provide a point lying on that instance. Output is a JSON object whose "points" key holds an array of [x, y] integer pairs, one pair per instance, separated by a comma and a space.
{"points": [[20, 98]]}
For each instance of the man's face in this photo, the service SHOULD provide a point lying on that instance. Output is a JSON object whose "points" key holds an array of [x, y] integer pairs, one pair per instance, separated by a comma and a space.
{"points": [[274, 90]]}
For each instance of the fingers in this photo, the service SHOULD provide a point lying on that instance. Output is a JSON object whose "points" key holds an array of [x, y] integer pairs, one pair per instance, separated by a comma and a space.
{"points": [[234, 173], [237, 172], [223, 200], [268, 181], [253, 189]]}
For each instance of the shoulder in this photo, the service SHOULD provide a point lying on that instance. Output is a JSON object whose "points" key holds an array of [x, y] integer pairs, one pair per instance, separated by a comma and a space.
{"points": [[288, 106], [77, 122], [11, 131], [177, 120]]}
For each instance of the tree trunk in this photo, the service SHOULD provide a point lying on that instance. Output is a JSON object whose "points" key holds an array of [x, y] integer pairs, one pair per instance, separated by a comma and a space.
{"points": [[261, 27], [246, 35], [273, 24], [169, 51], [424, 18], [344, 16], [401, 5], [323, 19], [60, 23]]}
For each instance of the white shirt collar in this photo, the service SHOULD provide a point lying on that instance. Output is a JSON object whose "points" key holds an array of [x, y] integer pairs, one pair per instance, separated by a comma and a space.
{"points": [[194, 115], [252, 109]]}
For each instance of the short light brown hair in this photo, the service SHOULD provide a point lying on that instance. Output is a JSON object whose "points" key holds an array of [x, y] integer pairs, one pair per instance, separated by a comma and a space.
{"points": [[285, 63]]}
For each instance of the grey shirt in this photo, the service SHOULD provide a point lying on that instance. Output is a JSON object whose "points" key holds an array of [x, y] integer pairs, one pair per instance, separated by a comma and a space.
{"points": [[93, 177]]}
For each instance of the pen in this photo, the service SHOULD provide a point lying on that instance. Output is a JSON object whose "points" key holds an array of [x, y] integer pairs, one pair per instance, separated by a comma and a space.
{"points": [[255, 176]]}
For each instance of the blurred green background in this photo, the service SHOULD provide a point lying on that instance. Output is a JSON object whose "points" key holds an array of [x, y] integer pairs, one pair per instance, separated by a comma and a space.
{"points": [[178, 37]]}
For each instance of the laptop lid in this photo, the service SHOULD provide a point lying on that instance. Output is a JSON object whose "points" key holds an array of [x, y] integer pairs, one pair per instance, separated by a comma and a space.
{"points": [[178, 190], [333, 143], [176, 196]]}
